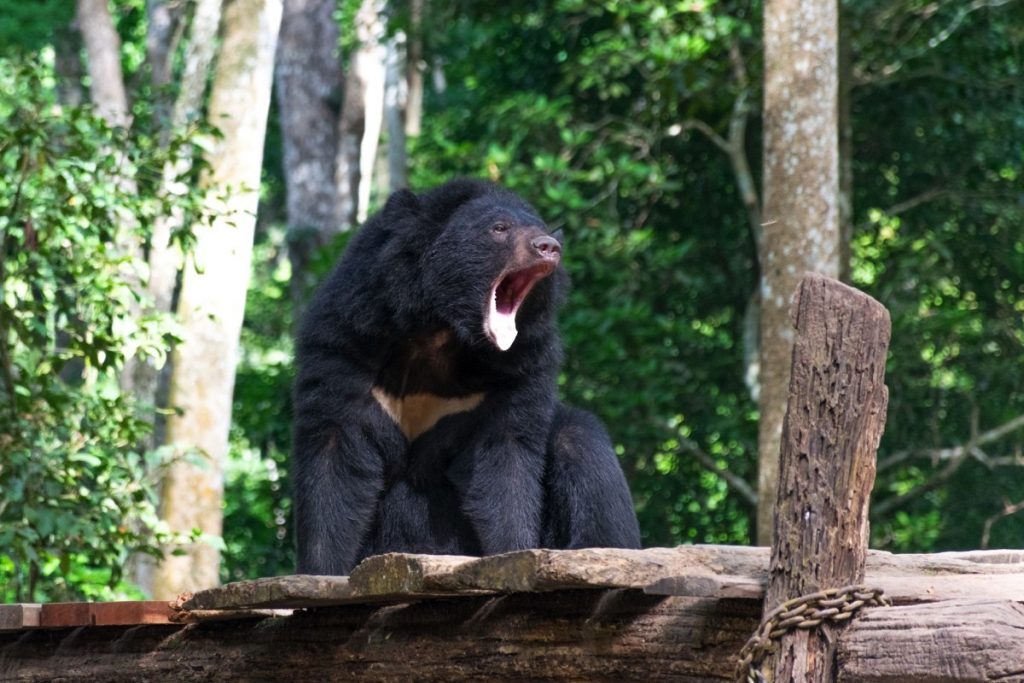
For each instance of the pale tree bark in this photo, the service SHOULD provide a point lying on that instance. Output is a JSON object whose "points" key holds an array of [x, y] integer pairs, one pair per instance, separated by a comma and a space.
{"points": [[149, 379], [395, 102], [103, 47], [309, 82], [414, 67], [212, 298], [369, 65], [353, 161], [801, 200], [164, 261]]}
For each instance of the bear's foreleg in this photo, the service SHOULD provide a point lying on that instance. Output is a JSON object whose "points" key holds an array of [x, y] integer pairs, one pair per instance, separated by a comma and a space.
{"points": [[587, 500]]}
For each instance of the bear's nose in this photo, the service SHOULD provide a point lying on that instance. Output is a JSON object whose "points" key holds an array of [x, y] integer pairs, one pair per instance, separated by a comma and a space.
{"points": [[547, 246]]}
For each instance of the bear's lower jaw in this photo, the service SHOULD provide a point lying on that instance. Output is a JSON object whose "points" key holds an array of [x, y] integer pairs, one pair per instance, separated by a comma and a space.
{"points": [[507, 295]]}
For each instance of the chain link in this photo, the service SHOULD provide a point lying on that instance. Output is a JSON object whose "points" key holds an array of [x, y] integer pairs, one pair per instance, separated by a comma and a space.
{"points": [[835, 605]]}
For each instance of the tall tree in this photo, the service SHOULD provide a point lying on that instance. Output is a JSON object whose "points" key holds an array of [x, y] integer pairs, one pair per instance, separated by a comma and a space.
{"points": [[147, 377], [395, 102], [414, 70], [212, 298], [309, 83], [801, 200], [103, 48], [369, 66], [164, 260], [362, 113]]}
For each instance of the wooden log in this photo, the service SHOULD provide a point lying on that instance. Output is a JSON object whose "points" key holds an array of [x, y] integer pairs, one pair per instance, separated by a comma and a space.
{"points": [[906, 579], [834, 420], [617, 635], [601, 635], [955, 640]]}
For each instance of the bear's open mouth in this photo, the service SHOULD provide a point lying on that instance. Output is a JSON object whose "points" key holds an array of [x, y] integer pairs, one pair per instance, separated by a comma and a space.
{"points": [[507, 295]]}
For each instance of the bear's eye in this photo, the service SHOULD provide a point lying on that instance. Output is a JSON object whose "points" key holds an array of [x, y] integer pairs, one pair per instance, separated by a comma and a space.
{"points": [[499, 227]]}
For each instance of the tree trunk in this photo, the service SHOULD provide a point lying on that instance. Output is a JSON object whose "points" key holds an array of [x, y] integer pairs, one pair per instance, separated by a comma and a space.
{"points": [[801, 200], [395, 102], [148, 378], [352, 125], [309, 82], [414, 70], [370, 63], [165, 261], [212, 299], [163, 26], [103, 47], [845, 151]]}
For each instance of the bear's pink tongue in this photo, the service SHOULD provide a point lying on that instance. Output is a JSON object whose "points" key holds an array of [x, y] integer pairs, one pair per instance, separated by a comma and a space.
{"points": [[506, 297], [501, 326]]}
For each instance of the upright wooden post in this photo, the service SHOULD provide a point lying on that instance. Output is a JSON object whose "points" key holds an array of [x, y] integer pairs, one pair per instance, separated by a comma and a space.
{"points": [[834, 420]]}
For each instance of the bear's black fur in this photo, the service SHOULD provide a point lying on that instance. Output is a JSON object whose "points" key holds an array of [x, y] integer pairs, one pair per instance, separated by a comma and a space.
{"points": [[414, 431]]}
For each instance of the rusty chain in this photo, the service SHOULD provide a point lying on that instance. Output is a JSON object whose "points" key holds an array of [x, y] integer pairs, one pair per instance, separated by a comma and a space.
{"points": [[834, 605]]}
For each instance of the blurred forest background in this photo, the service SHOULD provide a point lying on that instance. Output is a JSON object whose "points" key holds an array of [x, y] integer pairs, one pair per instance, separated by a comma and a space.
{"points": [[633, 125]]}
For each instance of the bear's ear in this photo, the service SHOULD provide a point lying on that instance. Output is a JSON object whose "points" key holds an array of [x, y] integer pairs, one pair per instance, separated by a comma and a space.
{"points": [[441, 202], [559, 235], [402, 202]]}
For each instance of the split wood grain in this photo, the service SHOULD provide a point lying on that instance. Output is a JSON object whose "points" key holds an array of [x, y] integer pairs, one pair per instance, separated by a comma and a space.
{"points": [[834, 420]]}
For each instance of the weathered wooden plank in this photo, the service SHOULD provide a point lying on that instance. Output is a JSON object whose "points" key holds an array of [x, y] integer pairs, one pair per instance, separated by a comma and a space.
{"points": [[400, 578], [901, 589], [19, 616], [298, 590], [834, 420], [61, 614], [967, 641], [545, 570], [401, 574], [130, 612]]}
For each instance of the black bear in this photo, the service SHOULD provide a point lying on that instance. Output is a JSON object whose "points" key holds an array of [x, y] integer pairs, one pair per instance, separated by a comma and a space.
{"points": [[426, 417]]}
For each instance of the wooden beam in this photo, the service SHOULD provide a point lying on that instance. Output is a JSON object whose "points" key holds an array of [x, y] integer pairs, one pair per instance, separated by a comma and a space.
{"points": [[600, 635], [834, 420], [694, 571], [956, 640]]}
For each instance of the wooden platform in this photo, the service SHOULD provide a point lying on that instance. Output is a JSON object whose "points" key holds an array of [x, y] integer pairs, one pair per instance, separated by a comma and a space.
{"points": [[585, 615]]}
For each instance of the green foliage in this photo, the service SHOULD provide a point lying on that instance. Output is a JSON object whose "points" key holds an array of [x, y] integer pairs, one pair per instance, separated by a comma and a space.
{"points": [[78, 495], [586, 108], [939, 116], [654, 323], [28, 26], [583, 107]]}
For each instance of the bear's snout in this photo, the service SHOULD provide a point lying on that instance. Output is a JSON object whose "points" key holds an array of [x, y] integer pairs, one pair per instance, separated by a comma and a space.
{"points": [[547, 247]]}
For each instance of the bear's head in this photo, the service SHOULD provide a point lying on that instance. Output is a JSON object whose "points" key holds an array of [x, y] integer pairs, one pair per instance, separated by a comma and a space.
{"points": [[486, 265], [489, 269]]}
